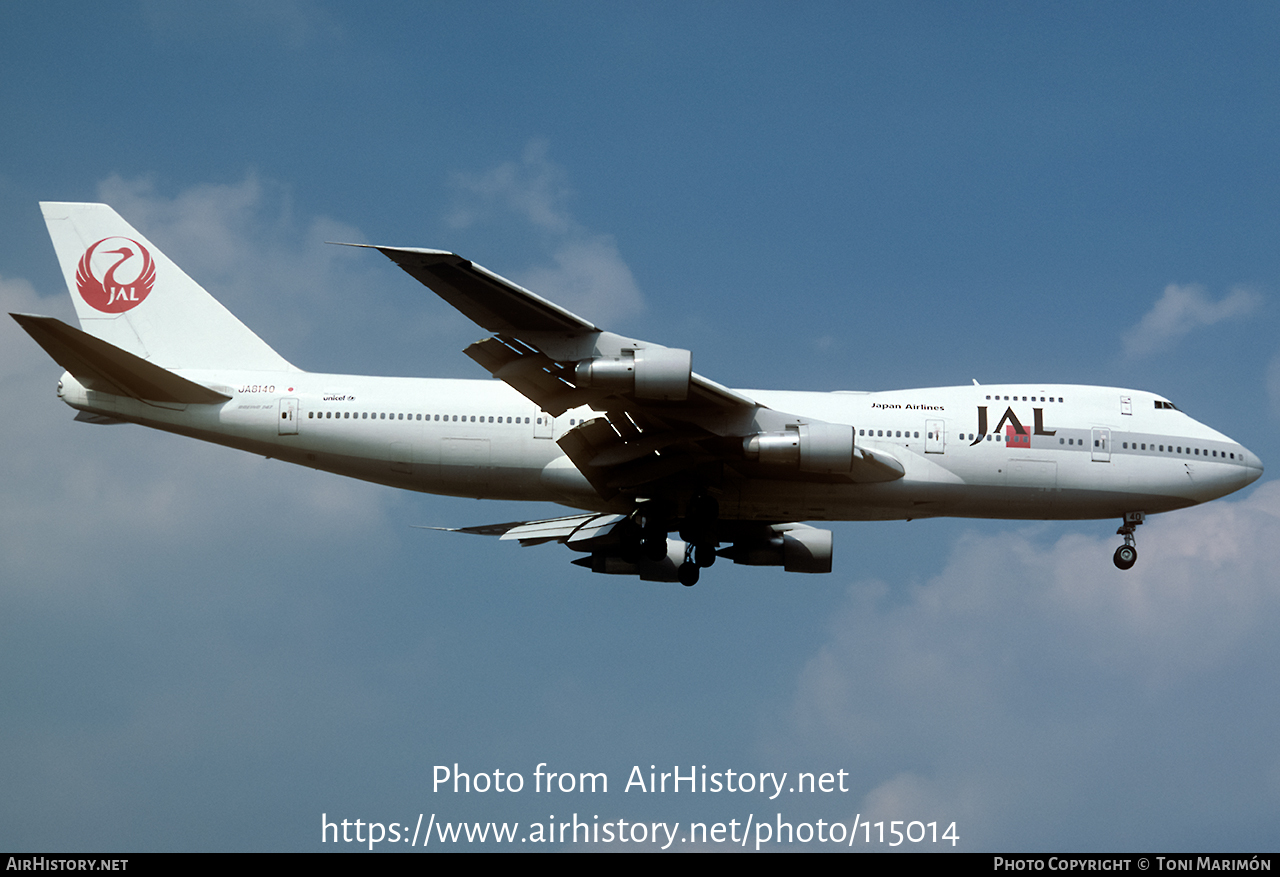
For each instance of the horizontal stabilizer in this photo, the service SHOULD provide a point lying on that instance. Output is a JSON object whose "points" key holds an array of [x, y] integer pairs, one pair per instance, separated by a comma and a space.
{"points": [[106, 368], [99, 419]]}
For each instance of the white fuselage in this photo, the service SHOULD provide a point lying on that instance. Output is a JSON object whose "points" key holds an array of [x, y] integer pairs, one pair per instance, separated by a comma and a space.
{"points": [[1091, 452]]}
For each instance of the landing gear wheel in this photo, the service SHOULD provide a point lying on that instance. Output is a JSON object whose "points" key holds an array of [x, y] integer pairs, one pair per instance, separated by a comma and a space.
{"points": [[688, 573], [1125, 557], [704, 554]]}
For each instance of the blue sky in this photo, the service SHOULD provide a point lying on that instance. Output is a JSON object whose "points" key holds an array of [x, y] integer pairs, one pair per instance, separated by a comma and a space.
{"points": [[203, 650]]}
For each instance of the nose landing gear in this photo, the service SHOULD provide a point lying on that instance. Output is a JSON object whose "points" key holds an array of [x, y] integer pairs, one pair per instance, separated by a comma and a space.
{"points": [[1127, 554], [1125, 557]]}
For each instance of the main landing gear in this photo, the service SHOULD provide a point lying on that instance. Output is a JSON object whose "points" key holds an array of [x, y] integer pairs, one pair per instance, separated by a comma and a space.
{"points": [[1127, 554], [654, 537], [689, 570], [697, 531], [699, 534]]}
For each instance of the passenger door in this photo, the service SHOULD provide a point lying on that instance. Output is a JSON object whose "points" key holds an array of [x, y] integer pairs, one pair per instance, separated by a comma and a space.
{"points": [[935, 436], [1101, 444]]}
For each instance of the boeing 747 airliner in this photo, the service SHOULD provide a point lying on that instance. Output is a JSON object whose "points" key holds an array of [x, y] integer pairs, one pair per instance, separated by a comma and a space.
{"points": [[620, 429]]}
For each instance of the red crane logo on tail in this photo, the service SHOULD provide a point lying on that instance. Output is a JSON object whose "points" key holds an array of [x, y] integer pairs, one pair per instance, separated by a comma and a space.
{"points": [[115, 275]]}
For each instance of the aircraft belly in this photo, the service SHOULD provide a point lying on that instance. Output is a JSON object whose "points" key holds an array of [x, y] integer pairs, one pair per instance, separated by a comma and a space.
{"points": [[465, 463], [1065, 503], [1195, 480], [764, 500], [565, 484], [482, 466], [1031, 488]]}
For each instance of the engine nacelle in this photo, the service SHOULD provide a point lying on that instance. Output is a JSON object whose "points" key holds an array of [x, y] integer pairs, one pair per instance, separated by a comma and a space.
{"points": [[611, 562], [650, 372], [797, 549], [809, 447]]}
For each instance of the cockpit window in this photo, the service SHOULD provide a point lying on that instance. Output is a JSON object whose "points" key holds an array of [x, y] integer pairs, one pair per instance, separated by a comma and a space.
{"points": [[1160, 403]]}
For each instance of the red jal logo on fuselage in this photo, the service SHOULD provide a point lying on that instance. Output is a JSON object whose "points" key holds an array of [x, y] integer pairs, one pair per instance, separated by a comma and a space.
{"points": [[1016, 435], [115, 274]]}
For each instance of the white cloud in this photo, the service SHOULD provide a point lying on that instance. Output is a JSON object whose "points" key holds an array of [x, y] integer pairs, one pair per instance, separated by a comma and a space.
{"points": [[243, 237], [1182, 309], [1273, 384], [586, 273], [1008, 690], [132, 562], [18, 296], [533, 188], [295, 23], [72, 492], [588, 277], [273, 269]]}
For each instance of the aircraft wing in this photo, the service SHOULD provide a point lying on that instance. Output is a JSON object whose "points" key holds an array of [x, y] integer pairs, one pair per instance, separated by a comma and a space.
{"points": [[490, 301], [536, 339], [611, 540], [659, 421], [601, 536], [580, 532]]}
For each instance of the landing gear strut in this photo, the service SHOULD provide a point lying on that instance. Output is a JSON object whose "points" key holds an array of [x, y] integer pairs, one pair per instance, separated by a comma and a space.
{"points": [[653, 539], [1127, 554], [689, 570], [699, 532]]}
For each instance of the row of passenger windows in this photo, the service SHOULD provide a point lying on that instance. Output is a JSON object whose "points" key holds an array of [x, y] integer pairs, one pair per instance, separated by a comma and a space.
{"points": [[886, 433], [376, 415], [1062, 441], [1170, 449], [1159, 403], [870, 433]]}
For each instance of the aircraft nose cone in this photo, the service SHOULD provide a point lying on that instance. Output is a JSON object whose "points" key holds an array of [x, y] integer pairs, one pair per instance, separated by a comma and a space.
{"points": [[1253, 465]]}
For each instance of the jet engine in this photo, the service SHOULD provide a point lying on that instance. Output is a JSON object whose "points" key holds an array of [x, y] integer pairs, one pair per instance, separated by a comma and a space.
{"points": [[613, 546], [650, 373], [622, 562], [794, 547], [809, 447]]}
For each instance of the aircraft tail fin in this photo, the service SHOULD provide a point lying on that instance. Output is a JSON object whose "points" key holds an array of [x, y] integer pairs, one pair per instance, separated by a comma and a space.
{"points": [[130, 295]]}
